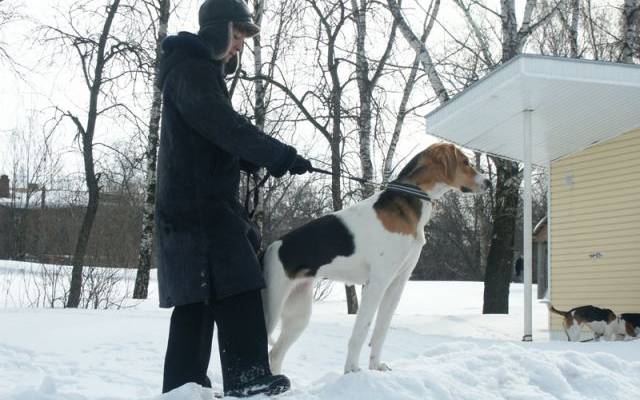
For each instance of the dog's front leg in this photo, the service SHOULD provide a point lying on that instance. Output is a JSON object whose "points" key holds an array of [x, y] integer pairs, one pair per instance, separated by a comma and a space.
{"points": [[383, 320], [371, 296]]}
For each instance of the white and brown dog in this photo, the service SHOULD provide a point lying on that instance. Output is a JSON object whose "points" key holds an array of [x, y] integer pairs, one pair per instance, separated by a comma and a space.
{"points": [[601, 321], [375, 243]]}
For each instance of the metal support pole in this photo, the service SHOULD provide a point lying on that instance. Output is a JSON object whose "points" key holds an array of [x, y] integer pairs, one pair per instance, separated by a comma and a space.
{"points": [[549, 221], [527, 227]]}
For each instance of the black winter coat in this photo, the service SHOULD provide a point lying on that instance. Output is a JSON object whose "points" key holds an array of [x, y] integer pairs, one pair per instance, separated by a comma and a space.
{"points": [[203, 240]]}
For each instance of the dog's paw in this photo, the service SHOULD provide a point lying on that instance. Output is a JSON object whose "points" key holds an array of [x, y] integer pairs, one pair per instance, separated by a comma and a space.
{"points": [[380, 367], [349, 368]]}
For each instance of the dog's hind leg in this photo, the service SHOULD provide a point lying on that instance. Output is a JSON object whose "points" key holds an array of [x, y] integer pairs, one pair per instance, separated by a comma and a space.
{"points": [[277, 290], [383, 319], [295, 316]]}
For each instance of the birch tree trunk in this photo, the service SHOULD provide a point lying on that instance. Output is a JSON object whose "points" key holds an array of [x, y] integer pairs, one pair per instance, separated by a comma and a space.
{"points": [[141, 289], [482, 40], [630, 21], [259, 110], [421, 49], [402, 114], [365, 89], [406, 93], [573, 28], [591, 29]]}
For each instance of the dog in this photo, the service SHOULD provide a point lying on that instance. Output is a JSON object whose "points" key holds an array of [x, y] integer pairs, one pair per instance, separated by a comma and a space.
{"points": [[629, 325], [602, 322], [375, 243]]}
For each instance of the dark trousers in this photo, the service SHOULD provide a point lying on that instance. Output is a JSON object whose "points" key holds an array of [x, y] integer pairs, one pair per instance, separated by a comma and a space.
{"points": [[242, 342]]}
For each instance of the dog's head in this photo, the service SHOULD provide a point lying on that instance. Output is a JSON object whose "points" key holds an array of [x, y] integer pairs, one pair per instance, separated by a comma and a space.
{"points": [[444, 164]]}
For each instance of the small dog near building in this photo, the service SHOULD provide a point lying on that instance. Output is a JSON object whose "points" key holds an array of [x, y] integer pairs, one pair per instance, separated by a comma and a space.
{"points": [[601, 321], [629, 325]]}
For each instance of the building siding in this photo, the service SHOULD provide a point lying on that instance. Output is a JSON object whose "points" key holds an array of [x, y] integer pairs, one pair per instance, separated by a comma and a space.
{"points": [[595, 222]]}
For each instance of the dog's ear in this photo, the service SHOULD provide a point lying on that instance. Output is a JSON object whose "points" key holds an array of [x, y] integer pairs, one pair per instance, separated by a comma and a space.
{"points": [[445, 155]]}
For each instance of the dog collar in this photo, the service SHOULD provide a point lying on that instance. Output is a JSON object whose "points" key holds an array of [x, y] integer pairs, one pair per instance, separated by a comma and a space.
{"points": [[409, 189]]}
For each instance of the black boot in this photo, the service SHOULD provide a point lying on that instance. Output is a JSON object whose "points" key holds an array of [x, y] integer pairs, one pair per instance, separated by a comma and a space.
{"points": [[242, 340], [269, 385]]}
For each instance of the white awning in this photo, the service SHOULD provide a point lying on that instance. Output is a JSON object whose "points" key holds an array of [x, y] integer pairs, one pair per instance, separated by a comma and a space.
{"points": [[575, 104]]}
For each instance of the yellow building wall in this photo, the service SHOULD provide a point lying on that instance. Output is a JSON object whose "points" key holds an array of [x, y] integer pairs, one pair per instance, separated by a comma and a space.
{"points": [[595, 228]]}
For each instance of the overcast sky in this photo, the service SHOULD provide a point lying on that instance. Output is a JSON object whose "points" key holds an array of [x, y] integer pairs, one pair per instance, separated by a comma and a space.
{"points": [[50, 81]]}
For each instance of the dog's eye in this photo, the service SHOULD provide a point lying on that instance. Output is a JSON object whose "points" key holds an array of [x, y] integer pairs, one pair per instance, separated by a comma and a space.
{"points": [[466, 162]]}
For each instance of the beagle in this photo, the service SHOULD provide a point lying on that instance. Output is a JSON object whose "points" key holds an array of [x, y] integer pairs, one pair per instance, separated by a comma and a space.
{"points": [[629, 325], [375, 243], [601, 321]]}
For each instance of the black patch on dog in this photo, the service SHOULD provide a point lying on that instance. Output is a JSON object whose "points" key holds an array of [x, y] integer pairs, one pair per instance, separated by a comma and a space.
{"points": [[315, 244], [631, 318], [409, 168], [391, 199], [592, 313]]}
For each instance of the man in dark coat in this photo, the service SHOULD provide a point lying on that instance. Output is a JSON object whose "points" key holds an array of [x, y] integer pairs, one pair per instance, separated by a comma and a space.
{"points": [[206, 255]]}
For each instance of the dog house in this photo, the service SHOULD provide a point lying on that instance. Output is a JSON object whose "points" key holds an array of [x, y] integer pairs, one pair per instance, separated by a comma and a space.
{"points": [[580, 121]]}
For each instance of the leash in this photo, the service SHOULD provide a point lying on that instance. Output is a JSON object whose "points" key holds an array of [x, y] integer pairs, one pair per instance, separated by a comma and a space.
{"points": [[254, 193], [406, 188]]}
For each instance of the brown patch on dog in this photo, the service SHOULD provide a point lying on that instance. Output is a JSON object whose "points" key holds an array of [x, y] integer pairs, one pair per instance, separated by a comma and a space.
{"points": [[631, 330], [398, 213]]}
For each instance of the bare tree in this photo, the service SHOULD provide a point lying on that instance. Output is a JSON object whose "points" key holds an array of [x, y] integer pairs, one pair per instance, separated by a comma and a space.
{"points": [[410, 82], [160, 12], [104, 60], [331, 18], [508, 176]]}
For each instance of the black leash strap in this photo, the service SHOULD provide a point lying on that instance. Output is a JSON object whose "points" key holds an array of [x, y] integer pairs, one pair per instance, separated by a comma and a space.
{"points": [[254, 193], [353, 178], [412, 190]]}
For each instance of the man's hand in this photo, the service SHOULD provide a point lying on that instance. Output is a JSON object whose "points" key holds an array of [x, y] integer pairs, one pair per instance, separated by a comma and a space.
{"points": [[300, 166]]}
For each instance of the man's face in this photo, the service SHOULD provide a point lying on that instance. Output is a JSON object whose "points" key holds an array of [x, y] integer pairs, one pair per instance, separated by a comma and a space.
{"points": [[237, 41]]}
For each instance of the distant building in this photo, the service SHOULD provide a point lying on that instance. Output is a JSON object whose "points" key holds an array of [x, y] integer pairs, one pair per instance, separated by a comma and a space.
{"points": [[4, 187]]}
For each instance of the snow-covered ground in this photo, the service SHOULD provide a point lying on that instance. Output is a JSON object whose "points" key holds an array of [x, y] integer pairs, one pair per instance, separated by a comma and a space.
{"points": [[440, 347]]}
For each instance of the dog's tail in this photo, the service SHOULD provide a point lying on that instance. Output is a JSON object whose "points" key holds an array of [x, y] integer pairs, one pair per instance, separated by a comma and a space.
{"points": [[554, 310]]}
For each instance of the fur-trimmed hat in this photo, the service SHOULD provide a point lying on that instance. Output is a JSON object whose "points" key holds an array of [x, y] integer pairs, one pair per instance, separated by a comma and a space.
{"points": [[217, 19], [221, 12]]}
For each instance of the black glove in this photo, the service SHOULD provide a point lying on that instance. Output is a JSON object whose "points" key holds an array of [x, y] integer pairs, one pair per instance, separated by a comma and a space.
{"points": [[300, 166]]}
